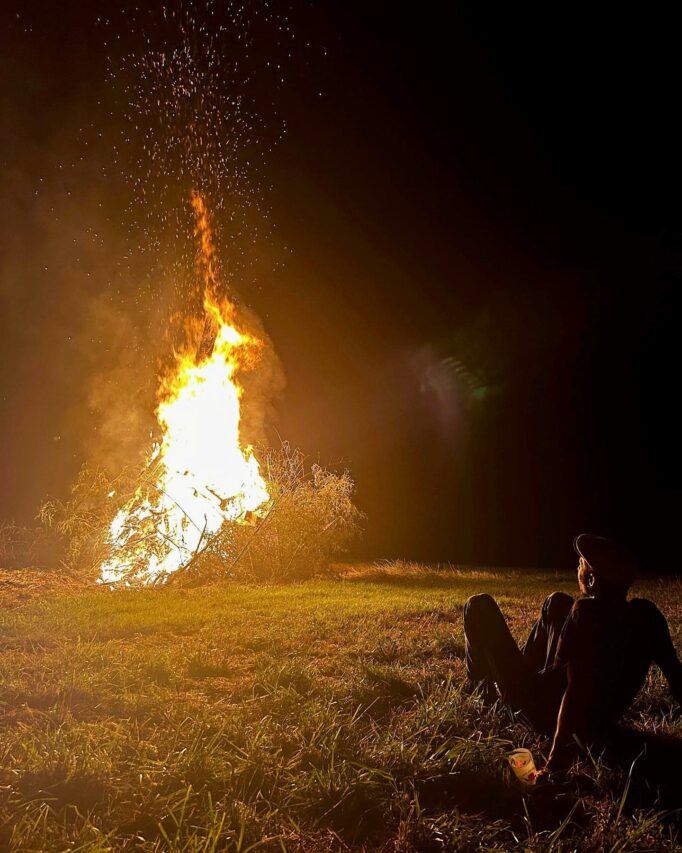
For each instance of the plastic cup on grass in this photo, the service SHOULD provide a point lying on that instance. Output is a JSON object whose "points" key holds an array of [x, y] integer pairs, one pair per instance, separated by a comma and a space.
{"points": [[521, 762]]}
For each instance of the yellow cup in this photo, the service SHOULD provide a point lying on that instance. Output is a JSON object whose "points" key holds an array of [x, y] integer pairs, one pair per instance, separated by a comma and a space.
{"points": [[521, 762]]}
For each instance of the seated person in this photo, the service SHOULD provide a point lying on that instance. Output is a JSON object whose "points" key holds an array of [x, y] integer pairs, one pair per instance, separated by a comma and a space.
{"points": [[584, 661]]}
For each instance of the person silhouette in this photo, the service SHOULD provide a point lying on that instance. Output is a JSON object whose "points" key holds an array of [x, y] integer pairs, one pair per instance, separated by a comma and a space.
{"points": [[585, 659]]}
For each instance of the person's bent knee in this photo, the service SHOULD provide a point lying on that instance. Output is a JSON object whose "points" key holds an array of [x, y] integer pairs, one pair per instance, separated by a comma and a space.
{"points": [[478, 603], [557, 606]]}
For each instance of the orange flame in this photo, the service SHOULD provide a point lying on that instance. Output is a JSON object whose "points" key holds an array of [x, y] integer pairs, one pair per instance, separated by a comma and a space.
{"points": [[203, 476], [207, 257]]}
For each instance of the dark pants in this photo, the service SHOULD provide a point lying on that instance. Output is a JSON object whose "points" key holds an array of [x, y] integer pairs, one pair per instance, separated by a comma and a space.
{"points": [[494, 659]]}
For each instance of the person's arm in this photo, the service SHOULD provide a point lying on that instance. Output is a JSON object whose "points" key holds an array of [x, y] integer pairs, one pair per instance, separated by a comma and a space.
{"points": [[573, 719], [664, 654], [575, 652]]}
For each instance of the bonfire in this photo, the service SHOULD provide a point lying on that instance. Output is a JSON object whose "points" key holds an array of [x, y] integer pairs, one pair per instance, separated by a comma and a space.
{"points": [[199, 474], [205, 500]]}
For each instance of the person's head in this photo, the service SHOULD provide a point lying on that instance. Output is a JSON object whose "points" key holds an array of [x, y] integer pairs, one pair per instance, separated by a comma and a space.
{"points": [[606, 570]]}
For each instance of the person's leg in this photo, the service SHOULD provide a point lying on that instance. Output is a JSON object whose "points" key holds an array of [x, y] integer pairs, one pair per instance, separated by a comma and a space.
{"points": [[540, 647], [492, 655]]}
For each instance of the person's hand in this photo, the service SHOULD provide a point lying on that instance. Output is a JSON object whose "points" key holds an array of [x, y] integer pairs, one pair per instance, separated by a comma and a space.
{"points": [[542, 777], [542, 780], [560, 759], [549, 778]]}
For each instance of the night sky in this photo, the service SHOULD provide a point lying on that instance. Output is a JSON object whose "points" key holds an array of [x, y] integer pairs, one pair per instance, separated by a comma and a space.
{"points": [[472, 281]]}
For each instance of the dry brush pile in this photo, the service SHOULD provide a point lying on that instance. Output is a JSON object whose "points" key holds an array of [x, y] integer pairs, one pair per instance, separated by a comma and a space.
{"points": [[309, 521]]}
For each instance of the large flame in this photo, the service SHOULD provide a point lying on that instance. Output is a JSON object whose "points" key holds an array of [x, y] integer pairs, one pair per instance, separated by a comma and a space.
{"points": [[201, 475]]}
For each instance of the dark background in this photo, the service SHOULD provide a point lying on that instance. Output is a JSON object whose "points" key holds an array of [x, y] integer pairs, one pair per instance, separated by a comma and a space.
{"points": [[479, 309]]}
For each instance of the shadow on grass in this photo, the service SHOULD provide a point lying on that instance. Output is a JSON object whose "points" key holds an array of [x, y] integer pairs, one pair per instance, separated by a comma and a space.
{"points": [[653, 762], [382, 689], [61, 790], [475, 793], [471, 792], [648, 768], [198, 667]]}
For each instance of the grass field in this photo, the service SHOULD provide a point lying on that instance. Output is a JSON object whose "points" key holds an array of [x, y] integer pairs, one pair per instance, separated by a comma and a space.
{"points": [[323, 716]]}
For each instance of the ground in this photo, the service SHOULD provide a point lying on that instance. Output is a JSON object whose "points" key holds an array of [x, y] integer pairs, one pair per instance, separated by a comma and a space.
{"points": [[322, 716]]}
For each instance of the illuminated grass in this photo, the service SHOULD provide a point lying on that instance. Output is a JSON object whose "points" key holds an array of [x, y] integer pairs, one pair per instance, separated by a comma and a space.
{"points": [[323, 716]]}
